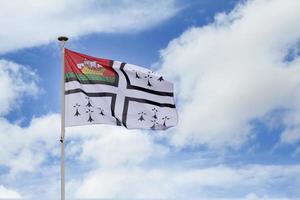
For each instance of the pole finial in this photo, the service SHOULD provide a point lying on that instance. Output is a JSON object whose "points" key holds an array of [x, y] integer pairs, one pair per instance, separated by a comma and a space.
{"points": [[63, 38]]}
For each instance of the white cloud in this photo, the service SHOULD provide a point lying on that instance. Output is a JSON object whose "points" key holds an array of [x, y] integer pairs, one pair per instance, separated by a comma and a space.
{"points": [[30, 23], [169, 183], [118, 146], [16, 81], [23, 149], [8, 193], [118, 170], [291, 135], [233, 70]]}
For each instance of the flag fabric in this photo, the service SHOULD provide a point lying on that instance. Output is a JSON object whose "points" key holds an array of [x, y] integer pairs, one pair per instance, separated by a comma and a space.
{"points": [[103, 91]]}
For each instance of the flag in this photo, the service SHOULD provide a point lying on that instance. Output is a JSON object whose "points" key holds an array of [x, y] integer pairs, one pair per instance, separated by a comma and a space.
{"points": [[103, 91]]}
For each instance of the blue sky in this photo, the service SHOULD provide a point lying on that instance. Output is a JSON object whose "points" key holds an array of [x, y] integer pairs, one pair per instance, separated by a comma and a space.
{"points": [[235, 66]]}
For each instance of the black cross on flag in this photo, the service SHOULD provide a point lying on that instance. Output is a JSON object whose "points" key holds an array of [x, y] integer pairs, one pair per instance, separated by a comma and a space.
{"points": [[102, 91]]}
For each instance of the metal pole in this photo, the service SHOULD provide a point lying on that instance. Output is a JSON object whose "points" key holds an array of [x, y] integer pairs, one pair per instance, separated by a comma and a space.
{"points": [[62, 41]]}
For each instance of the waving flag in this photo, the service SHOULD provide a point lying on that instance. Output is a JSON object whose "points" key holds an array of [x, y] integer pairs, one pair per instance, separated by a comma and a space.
{"points": [[102, 91]]}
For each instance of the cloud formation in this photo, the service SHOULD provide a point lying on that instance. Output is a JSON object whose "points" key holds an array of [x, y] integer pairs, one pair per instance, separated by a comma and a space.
{"points": [[116, 147], [26, 148], [7, 193], [210, 183], [31, 23], [236, 69], [16, 81]]}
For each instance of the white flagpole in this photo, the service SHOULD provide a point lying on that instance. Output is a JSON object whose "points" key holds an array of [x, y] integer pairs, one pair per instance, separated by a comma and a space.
{"points": [[62, 41]]}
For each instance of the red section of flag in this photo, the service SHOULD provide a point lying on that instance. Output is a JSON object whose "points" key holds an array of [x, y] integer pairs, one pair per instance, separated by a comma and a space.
{"points": [[73, 59]]}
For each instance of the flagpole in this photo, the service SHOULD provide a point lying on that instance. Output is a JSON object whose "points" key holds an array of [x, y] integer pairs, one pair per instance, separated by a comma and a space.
{"points": [[62, 40]]}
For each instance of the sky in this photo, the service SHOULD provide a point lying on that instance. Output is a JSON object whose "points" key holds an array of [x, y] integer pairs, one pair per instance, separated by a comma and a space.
{"points": [[235, 66]]}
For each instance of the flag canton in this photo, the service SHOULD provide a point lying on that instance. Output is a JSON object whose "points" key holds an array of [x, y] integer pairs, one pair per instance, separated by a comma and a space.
{"points": [[89, 70]]}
